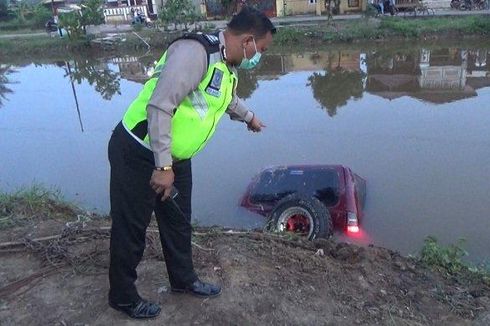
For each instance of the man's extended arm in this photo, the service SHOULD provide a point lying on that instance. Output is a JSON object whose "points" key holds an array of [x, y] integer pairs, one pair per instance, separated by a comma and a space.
{"points": [[239, 111]]}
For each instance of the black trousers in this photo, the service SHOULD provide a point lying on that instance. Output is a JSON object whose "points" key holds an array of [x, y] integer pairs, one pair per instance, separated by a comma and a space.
{"points": [[132, 203]]}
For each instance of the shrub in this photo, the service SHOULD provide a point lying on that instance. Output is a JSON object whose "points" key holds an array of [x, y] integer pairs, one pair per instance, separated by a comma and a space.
{"points": [[287, 35], [449, 260]]}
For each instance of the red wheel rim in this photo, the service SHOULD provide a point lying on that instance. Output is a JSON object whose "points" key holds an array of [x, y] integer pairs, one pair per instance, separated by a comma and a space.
{"points": [[298, 223]]}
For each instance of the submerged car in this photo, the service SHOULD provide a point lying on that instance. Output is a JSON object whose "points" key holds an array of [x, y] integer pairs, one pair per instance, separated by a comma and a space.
{"points": [[308, 199]]}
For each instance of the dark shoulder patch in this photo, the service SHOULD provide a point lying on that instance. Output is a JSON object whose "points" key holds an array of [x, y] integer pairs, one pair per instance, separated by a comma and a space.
{"points": [[209, 41]]}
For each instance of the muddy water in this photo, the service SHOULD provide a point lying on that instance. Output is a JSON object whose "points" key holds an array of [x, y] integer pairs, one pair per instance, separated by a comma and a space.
{"points": [[414, 123]]}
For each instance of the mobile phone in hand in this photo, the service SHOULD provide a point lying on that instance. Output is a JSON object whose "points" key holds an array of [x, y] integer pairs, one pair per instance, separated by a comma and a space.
{"points": [[174, 193]]}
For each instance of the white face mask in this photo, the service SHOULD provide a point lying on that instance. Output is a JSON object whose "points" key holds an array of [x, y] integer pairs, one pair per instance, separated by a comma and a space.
{"points": [[252, 62]]}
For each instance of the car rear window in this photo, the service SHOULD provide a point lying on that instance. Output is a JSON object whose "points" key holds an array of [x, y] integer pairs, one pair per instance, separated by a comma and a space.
{"points": [[275, 184]]}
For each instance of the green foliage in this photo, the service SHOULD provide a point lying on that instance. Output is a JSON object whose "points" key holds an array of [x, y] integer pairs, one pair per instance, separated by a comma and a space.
{"points": [[26, 205], [400, 26], [4, 12], [417, 27], [21, 11], [71, 22], [92, 12], [75, 22], [478, 25], [449, 260], [178, 12], [287, 35], [41, 15]]}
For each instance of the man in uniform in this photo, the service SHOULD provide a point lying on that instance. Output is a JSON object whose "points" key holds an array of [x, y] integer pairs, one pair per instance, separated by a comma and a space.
{"points": [[150, 152]]}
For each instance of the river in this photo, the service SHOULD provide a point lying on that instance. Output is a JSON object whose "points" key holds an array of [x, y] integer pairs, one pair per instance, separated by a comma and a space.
{"points": [[413, 122]]}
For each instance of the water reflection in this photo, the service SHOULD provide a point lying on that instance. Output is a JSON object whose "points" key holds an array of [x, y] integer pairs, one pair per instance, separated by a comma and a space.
{"points": [[404, 148], [341, 80], [436, 76], [5, 70], [97, 73]]}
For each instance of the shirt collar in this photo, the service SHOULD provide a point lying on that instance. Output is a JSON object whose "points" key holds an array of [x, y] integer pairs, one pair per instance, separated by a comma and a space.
{"points": [[222, 47], [222, 44]]}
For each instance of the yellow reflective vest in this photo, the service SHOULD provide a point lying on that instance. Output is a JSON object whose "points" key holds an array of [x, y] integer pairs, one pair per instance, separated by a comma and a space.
{"points": [[196, 117]]}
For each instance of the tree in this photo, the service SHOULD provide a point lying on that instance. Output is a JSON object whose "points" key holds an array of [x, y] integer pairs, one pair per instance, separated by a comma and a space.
{"points": [[21, 11], [178, 12], [41, 15], [92, 12], [4, 12], [75, 22]]}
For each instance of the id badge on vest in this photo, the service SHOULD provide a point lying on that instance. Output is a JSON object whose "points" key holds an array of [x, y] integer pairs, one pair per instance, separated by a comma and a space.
{"points": [[214, 86]]}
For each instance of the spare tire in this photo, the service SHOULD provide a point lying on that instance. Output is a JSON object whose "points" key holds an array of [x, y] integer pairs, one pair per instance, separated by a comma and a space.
{"points": [[300, 214]]}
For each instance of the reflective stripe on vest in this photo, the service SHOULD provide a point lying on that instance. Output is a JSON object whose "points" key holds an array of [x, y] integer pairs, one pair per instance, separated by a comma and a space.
{"points": [[196, 117]]}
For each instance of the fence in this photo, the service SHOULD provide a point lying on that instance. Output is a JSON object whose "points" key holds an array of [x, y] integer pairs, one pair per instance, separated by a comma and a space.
{"points": [[122, 14]]}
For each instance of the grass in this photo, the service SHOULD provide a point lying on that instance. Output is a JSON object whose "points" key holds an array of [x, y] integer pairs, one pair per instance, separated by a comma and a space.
{"points": [[385, 28], [449, 260], [346, 31], [479, 25], [39, 45], [33, 204], [46, 46]]}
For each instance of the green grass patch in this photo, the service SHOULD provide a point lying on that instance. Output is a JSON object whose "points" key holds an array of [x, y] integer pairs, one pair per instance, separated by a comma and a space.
{"points": [[449, 260], [39, 45], [369, 28], [471, 25], [288, 35], [33, 204]]}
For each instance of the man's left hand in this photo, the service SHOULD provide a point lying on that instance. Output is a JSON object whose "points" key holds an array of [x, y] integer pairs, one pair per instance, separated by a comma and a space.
{"points": [[255, 125]]}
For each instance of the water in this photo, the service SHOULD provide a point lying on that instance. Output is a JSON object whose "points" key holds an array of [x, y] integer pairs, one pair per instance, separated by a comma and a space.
{"points": [[413, 123]]}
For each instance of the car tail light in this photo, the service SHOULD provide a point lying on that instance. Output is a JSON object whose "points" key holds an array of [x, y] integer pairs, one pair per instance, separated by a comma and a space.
{"points": [[352, 223]]}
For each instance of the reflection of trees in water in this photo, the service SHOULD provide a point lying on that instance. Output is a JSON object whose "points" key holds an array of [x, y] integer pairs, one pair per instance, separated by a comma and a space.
{"points": [[247, 83], [106, 81], [270, 68], [4, 71], [334, 88]]}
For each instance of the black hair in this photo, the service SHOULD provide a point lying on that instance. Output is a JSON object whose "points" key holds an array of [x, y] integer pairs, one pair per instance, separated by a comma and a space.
{"points": [[251, 20]]}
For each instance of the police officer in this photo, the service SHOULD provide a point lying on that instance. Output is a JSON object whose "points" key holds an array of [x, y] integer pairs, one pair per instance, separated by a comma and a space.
{"points": [[150, 152]]}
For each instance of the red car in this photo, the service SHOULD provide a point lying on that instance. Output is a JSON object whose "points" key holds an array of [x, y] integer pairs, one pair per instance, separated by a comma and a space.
{"points": [[308, 199]]}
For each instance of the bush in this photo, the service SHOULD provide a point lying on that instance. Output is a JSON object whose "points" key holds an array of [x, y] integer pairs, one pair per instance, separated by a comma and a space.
{"points": [[178, 12], [479, 25], [287, 35], [405, 27], [75, 22], [41, 15], [4, 12], [449, 260]]}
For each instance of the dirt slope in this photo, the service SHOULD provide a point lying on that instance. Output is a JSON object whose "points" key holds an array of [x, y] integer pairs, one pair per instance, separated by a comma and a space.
{"points": [[266, 280]]}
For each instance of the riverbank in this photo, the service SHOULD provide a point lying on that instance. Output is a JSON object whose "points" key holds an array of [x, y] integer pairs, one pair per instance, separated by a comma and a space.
{"points": [[55, 260], [296, 34]]}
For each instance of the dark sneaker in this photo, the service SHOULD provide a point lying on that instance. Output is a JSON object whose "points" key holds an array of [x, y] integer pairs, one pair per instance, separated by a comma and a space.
{"points": [[200, 289], [138, 310]]}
